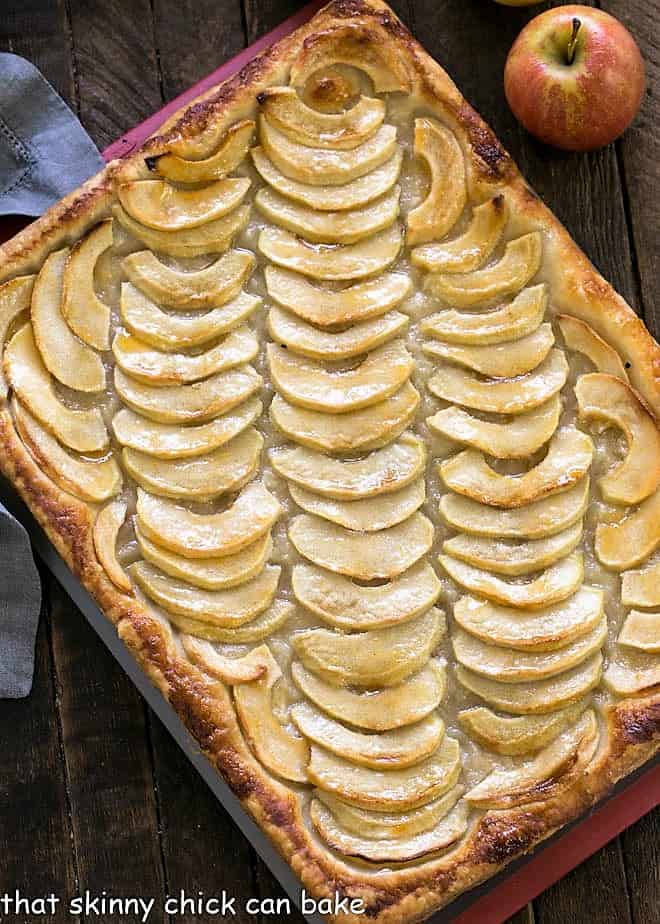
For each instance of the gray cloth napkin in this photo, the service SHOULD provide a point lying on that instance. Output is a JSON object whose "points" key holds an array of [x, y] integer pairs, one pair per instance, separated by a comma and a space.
{"points": [[44, 154]]}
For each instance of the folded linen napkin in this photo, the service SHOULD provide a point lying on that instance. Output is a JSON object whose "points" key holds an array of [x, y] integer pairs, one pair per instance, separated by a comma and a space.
{"points": [[44, 154]]}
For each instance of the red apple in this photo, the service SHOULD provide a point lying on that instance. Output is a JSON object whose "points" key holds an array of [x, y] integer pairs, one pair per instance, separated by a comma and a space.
{"points": [[575, 78]]}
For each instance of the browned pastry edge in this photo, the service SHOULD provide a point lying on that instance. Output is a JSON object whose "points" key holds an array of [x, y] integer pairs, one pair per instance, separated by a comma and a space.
{"points": [[632, 735]]}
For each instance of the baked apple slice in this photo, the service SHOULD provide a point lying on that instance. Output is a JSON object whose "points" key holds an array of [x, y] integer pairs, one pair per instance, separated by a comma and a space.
{"points": [[518, 318], [300, 337], [631, 672], [258, 629], [184, 167], [369, 514], [467, 252], [15, 297], [447, 195], [85, 313], [641, 588], [212, 237], [514, 735], [252, 666], [582, 338], [107, 524], [159, 205], [641, 631], [511, 556], [498, 360], [623, 545]]}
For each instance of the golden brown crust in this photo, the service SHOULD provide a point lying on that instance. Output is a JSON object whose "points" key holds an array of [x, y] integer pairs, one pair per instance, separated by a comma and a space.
{"points": [[633, 725]]}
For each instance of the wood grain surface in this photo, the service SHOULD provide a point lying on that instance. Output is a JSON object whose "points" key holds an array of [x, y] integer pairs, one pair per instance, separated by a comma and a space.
{"points": [[93, 792]]}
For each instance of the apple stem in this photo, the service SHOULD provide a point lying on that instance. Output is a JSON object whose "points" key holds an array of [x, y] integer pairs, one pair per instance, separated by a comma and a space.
{"points": [[572, 42]]}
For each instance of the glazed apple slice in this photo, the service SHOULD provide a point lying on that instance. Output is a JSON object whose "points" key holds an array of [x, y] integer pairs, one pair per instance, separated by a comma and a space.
{"points": [[170, 332], [623, 545], [641, 588], [631, 672], [80, 430], [567, 461], [511, 556], [334, 263], [258, 629], [612, 403], [369, 514], [192, 403], [106, 529], [542, 630], [68, 359], [467, 252], [15, 297], [582, 338], [447, 195], [93, 481], [402, 747], [175, 288], [381, 472], [518, 266], [212, 237], [393, 707], [159, 205], [498, 360], [252, 666], [171, 441], [641, 631], [346, 605], [378, 658], [199, 535], [502, 396], [515, 439], [517, 735], [85, 313], [518, 318], [331, 308], [301, 337], [181, 165], [368, 428]]}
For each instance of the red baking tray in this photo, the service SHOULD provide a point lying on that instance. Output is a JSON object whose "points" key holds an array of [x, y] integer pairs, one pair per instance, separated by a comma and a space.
{"points": [[523, 880]]}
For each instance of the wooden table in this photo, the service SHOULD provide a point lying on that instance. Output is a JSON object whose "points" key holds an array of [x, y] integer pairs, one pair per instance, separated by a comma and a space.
{"points": [[93, 793]]}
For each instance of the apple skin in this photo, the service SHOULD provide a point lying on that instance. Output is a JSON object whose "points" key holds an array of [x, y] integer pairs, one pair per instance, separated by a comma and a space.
{"points": [[582, 105]]}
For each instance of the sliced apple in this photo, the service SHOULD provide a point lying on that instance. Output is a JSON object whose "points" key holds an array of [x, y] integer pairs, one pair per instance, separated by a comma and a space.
{"points": [[379, 658], [378, 711], [334, 263], [511, 735], [641, 588], [498, 360], [313, 385], [345, 227], [623, 545], [252, 666], [80, 430], [172, 441], [322, 167], [139, 360], [106, 529], [159, 205], [344, 130], [387, 790], [469, 250], [181, 404], [213, 237], [330, 308], [354, 195], [68, 359], [171, 332], [198, 535], [542, 630], [367, 515], [224, 608], [612, 403], [345, 605], [535, 521], [402, 747], [259, 628], [510, 556], [539, 696], [303, 338], [515, 439], [281, 752], [502, 396], [93, 481], [520, 263], [174, 288], [83, 310], [202, 477], [389, 469], [567, 461], [631, 672], [447, 195], [445, 832], [369, 428], [578, 336], [15, 297], [232, 150], [641, 631], [518, 318], [549, 772]]}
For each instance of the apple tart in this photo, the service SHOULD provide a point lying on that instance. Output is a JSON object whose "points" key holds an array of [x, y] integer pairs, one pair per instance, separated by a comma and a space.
{"points": [[361, 457]]}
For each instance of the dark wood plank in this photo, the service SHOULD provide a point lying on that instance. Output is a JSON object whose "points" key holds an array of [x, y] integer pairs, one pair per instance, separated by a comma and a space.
{"points": [[524, 916], [37, 31], [106, 754], [641, 857], [263, 15]]}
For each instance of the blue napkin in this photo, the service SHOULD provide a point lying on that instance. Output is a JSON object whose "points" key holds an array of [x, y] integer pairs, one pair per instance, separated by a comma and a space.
{"points": [[44, 154]]}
